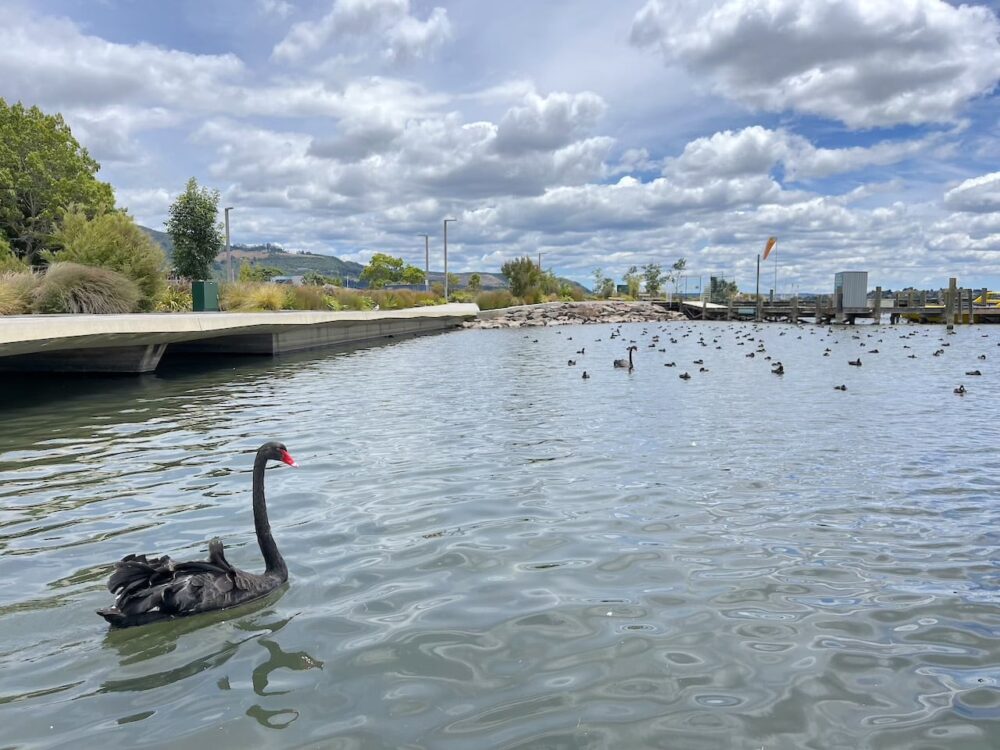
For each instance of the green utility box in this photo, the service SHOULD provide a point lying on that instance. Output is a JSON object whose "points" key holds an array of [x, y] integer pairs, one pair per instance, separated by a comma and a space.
{"points": [[205, 296]]}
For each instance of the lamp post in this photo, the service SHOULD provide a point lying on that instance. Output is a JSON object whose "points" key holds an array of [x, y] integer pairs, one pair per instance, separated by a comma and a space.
{"points": [[427, 261], [229, 250], [446, 257]]}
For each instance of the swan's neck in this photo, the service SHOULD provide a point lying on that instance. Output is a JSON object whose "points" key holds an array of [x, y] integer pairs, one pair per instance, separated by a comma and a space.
{"points": [[630, 359], [273, 561]]}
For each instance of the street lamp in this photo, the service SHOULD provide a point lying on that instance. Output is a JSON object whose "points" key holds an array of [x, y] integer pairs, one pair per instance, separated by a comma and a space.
{"points": [[229, 250], [446, 257], [427, 261]]}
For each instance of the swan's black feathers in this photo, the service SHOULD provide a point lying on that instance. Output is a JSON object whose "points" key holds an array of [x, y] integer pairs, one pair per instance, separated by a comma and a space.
{"points": [[149, 589]]}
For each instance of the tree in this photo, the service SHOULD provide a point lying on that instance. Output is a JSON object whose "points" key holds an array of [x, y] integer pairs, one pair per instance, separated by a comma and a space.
{"points": [[195, 231], [653, 274], [9, 261], [633, 279], [254, 273], [598, 274], [721, 290], [315, 278], [674, 276], [413, 275], [522, 275], [385, 269], [112, 240], [43, 171], [475, 282], [453, 281]]}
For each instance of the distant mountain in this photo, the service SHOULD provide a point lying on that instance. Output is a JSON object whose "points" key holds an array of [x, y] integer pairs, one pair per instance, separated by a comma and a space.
{"points": [[296, 264]]}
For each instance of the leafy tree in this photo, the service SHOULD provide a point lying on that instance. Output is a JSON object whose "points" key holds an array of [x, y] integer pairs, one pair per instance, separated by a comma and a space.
{"points": [[522, 275], [607, 288], [653, 274], [722, 290], [195, 231], [475, 282], [254, 273], [385, 269], [9, 261], [413, 275], [675, 270], [633, 279], [112, 240], [43, 171], [453, 281], [315, 278], [598, 274]]}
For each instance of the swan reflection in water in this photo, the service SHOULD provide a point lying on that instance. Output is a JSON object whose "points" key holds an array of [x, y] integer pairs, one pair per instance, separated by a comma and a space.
{"points": [[160, 648]]}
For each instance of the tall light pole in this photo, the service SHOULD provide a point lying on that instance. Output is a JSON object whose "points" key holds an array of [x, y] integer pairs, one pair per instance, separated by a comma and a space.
{"points": [[427, 261], [446, 257], [229, 250]]}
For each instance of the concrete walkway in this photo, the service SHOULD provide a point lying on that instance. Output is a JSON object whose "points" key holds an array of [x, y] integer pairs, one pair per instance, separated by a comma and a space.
{"points": [[135, 343]]}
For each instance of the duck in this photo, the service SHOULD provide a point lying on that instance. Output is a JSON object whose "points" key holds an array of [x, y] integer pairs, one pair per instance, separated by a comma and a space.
{"points": [[585, 375], [855, 363], [840, 387], [684, 376], [973, 372], [960, 390]]}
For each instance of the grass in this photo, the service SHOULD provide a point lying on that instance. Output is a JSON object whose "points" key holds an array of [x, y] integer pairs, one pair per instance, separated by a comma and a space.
{"points": [[174, 297], [497, 299], [248, 296], [74, 288], [16, 292]]}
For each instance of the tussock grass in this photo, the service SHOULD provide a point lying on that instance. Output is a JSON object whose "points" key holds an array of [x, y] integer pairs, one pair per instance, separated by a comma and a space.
{"points": [[496, 299], [306, 298], [74, 288], [248, 296], [16, 292]]}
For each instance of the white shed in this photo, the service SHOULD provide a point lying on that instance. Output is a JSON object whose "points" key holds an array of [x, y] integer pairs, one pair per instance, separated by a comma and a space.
{"points": [[850, 289]]}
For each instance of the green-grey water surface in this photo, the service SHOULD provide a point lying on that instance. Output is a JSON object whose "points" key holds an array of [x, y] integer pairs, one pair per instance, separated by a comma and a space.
{"points": [[487, 551]]}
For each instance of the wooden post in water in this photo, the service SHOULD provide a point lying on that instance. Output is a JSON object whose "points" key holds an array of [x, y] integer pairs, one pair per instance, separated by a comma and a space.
{"points": [[795, 309], [729, 309], [877, 311], [952, 299]]}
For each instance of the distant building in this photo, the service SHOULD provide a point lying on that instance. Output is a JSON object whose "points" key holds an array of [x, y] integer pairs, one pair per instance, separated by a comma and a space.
{"points": [[288, 280]]}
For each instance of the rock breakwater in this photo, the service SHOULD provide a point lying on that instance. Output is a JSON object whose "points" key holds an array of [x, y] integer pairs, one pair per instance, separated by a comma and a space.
{"points": [[570, 313]]}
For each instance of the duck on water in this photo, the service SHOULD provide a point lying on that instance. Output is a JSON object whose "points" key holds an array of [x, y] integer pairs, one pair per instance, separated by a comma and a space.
{"points": [[151, 589]]}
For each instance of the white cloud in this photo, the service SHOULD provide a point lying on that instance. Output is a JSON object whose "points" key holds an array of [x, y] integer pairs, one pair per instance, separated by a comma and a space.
{"points": [[867, 63], [758, 150], [386, 26], [279, 8], [976, 195], [545, 123]]}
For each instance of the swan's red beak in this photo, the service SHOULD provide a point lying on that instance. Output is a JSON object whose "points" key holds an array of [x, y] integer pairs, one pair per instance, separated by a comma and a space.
{"points": [[287, 458]]}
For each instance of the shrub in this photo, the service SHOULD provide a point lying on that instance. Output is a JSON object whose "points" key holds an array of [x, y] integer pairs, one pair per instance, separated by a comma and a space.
{"points": [[349, 299], [495, 300], [175, 297], [398, 299], [16, 289], [244, 296], [8, 260], [112, 240], [73, 288], [306, 298]]}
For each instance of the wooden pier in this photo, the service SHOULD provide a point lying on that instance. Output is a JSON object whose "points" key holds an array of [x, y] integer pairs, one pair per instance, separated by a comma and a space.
{"points": [[951, 306]]}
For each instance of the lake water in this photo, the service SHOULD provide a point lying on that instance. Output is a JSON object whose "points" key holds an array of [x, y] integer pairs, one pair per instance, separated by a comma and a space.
{"points": [[487, 551]]}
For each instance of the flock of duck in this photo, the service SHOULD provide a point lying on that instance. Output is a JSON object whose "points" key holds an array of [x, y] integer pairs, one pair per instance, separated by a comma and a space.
{"points": [[661, 338]]}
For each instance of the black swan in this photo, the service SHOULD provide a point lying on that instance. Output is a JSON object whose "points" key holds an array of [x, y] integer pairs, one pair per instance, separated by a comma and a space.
{"points": [[153, 589], [623, 363]]}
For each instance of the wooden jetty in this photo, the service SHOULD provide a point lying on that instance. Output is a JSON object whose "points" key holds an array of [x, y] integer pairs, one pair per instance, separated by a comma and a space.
{"points": [[951, 306]]}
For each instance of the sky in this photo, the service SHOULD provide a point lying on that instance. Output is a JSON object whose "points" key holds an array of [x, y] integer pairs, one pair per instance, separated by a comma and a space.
{"points": [[863, 134]]}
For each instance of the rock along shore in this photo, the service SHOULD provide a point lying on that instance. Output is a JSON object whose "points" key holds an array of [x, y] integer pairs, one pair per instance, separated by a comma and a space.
{"points": [[570, 313]]}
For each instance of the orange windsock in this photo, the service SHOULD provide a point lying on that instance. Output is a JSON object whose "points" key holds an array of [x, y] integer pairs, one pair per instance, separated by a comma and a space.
{"points": [[771, 242]]}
